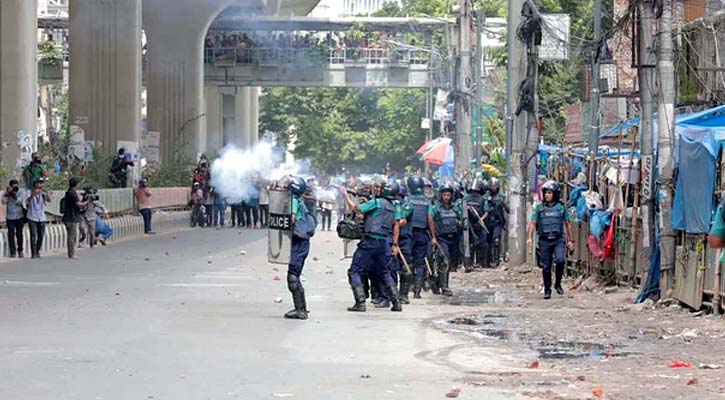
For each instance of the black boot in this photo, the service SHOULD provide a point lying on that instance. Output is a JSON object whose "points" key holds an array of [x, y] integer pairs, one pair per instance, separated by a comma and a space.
{"points": [[443, 283], [358, 293], [366, 285], [393, 294], [417, 286], [547, 282], [496, 254], [559, 275], [298, 297], [405, 280], [433, 282]]}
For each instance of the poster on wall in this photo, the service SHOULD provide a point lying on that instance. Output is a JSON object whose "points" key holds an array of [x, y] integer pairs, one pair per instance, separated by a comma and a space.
{"points": [[25, 142]]}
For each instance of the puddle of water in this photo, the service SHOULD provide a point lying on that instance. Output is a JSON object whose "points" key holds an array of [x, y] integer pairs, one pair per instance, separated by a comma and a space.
{"points": [[578, 350]]}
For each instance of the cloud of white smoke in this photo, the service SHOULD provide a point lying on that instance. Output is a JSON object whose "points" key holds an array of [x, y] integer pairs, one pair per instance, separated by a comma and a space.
{"points": [[237, 173]]}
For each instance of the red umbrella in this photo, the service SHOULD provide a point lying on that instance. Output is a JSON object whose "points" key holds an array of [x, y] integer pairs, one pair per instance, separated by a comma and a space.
{"points": [[440, 153], [428, 146]]}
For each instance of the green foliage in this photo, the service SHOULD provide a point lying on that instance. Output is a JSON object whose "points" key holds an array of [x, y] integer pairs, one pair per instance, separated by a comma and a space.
{"points": [[493, 8], [172, 175], [49, 52], [348, 128]]}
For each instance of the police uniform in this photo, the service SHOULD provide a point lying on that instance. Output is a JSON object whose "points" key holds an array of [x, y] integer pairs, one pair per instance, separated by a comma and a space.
{"points": [[495, 222], [404, 211], [373, 251], [447, 220], [420, 245], [300, 251], [550, 220], [477, 207]]}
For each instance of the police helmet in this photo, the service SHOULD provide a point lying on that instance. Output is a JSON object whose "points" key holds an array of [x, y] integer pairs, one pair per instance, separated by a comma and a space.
{"points": [[143, 182], [457, 192], [477, 185], [552, 187], [494, 183], [446, 188], [403, 191], [390, 190], [427, 182], [415, 184], [297, 186]]}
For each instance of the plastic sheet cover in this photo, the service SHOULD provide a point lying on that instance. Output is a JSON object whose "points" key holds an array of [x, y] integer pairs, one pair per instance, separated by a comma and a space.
{"points": [[693, 202]]}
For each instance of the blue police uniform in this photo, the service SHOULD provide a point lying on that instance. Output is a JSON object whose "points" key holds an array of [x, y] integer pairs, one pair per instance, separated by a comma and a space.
{"points": [[550, 220], [300, 251], [373, 252], [477, 207], [447, 220], [404, 211], [495, 222], [420, 244]]}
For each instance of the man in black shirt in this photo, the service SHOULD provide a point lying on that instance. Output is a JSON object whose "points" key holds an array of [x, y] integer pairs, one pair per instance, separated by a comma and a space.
{"points": [[119, 176], [71, 207]]}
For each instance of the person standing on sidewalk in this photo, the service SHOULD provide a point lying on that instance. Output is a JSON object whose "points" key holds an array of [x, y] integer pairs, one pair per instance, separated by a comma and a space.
{"points": [[143, 199], [15, 217], [37, 200], [220, 209], [72, 207]]}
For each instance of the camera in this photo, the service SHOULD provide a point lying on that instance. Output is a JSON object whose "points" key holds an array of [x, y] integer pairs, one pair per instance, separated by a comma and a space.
{"points": [[16, 189]]}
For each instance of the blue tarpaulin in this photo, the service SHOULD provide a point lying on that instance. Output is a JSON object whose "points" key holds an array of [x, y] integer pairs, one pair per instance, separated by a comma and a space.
{"points": [[695, 155]]}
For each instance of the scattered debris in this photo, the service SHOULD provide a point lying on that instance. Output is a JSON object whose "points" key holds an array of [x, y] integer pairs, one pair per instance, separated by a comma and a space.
{"points": [[278, 300], [276, 278], [692, 381], [611, 289], [315, 258], [209, 262], [283, 395], [275, 269], [244, 253], [5, 282], [680, 364], [709, 366], [598, 392], [534, 365], [365, 376], [167, 254], [118, 294], [147, 259], [453, 393]]}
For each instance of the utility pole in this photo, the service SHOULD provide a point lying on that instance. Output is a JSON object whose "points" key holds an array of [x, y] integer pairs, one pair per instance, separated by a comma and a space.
{"points": [[647, 63], [666, 131], [516, 139], [596, 90], [480, 16], [464, 83]]}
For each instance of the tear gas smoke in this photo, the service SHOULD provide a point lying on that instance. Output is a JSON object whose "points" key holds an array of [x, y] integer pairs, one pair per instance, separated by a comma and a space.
{"points": [[237, 173]]}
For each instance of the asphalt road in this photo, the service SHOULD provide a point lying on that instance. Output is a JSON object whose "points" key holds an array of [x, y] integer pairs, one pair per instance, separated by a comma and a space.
{"points": [[187, 316]]}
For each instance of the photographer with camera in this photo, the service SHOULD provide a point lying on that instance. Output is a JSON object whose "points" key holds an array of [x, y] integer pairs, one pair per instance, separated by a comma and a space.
{"points": [[119, 174], [34, 170], [13, 198], [88, 216], [72, 206], [36, 202]]}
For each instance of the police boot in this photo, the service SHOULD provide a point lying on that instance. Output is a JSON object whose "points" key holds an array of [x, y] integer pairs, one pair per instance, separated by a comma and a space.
{"points": [[358, 293], [559, 275], [393, 294], [404, 287], [485, 256], [417, 286], [443, 283], [496, 254], [366, 285], [298, 297], [434, 284], [547, 283]]}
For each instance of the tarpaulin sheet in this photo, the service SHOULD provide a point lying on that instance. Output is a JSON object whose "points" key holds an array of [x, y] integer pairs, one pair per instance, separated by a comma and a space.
{"points": [[692, 207]]}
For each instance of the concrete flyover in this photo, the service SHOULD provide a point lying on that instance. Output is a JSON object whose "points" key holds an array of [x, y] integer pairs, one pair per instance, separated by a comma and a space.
{"points": [[105, 72]]}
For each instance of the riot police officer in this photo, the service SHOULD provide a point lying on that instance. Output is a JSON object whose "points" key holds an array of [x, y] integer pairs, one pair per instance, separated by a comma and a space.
{"points": [[373, 251], [477, 213], [448, 218], [550, 219], [302, 222], [423, 228], [404, 214], [498, 209]]}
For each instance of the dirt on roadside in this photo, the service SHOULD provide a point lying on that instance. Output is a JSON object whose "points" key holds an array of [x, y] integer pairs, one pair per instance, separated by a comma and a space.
{"points": [[593, 342]]}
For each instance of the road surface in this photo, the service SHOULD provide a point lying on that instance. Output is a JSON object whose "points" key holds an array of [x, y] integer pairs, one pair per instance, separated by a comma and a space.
{"points": [[188, 316]]}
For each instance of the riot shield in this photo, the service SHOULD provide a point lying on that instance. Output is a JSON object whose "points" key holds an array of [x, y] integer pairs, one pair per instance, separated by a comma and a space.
{"points": [[279, 232]]}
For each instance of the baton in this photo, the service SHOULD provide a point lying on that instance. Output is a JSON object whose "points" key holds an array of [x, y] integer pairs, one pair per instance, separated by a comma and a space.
{"points": [[480, 220], [427, 265], [443, 253], [405, 262]]}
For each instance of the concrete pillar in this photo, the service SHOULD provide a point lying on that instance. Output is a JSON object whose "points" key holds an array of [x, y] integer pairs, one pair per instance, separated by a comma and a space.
{"points": [[214, 120], [253, 137], [105, 70], [241, 117], [18, 78]]}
